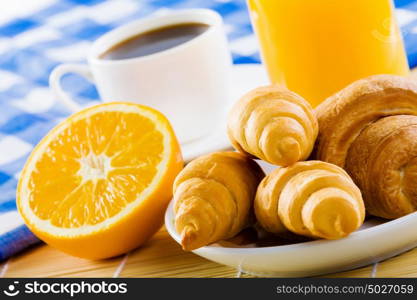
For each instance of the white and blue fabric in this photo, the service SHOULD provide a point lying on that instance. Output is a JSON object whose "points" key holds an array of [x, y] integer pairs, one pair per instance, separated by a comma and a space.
{"points": [[35, 36]]}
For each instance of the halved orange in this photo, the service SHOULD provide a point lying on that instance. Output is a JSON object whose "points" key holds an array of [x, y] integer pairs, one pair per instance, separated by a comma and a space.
{"points": [[98, 184]]}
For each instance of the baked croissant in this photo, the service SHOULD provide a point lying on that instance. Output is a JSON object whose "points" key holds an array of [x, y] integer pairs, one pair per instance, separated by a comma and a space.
{"points": [[273, 124], [358, 131], [312, 198], [383, 161], [214, 197]]}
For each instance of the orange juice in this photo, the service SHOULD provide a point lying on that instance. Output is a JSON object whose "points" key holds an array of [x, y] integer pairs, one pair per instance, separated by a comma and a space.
{"points": [[318, 47]]}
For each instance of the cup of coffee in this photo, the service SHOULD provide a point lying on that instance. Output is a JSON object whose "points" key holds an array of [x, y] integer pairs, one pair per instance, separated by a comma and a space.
{"points": [[177, 63]]}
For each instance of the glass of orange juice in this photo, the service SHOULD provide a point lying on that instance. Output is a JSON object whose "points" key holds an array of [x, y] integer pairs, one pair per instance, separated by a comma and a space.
{"points": [[318, 47]]}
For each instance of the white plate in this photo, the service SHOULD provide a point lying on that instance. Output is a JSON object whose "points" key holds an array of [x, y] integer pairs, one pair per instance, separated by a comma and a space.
{"points": [[374, 242], [244, 77]]}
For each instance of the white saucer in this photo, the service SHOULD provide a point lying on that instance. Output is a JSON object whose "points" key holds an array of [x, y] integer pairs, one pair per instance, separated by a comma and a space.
{"points": [[373, 242], [244, 77]]}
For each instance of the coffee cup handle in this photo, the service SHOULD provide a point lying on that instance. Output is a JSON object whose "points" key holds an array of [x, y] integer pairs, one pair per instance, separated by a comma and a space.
{"points": [[55, 83]]}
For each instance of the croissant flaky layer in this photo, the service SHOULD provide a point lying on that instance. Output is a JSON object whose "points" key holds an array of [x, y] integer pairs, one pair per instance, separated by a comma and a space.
{"points": [[213, 197], [273, 124], [343, 116], [313, 198], [383, 161], [369, 128]]}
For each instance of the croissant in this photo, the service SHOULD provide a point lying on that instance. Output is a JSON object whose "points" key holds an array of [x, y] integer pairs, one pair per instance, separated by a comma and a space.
{"points": [[312, 198], [369, 128], [273, 124], [213, 197]]}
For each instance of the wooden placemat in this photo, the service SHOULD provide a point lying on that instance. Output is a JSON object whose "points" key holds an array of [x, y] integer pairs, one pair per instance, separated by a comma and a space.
{"points": [[163, 257]]}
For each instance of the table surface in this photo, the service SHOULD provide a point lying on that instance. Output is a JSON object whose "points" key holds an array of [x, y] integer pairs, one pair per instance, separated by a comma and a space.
{"points": [[161, 256]]}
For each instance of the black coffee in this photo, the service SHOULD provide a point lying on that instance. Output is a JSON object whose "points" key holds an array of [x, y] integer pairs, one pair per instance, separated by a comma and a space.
{"points": [[154, 41]]}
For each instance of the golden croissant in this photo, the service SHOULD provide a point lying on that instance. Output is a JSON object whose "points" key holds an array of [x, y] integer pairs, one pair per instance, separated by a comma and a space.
{"points": [[273, 124], [370, 129], [312, 198], [213, 197]]}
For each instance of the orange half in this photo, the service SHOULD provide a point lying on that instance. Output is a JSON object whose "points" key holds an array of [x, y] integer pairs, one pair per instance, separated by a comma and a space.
{"points": [[98, 184]]}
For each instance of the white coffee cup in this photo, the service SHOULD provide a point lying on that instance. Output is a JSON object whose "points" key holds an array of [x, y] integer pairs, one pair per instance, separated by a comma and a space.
{"points": [[188, 83]]}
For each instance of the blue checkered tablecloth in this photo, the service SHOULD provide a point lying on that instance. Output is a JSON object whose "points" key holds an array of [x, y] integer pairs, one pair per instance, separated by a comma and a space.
{"points": [[37, 35]]}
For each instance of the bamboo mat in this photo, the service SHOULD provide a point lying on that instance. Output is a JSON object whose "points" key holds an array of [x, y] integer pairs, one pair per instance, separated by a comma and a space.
{"points": [[162, 257]]}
